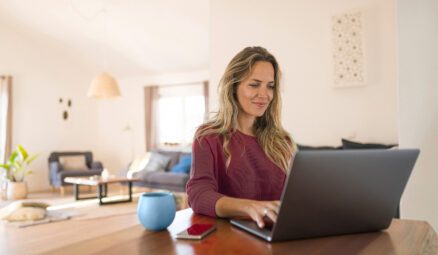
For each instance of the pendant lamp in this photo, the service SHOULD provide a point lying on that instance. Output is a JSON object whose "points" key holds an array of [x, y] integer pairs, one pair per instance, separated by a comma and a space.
{"points": [[104, 86]]}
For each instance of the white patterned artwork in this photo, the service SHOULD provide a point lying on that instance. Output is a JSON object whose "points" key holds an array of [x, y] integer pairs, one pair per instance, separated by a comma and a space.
{"points": [[348, 54]]}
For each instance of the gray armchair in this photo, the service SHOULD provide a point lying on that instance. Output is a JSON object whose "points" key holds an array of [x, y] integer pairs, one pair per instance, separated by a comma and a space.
{"points": [[57, 173]]}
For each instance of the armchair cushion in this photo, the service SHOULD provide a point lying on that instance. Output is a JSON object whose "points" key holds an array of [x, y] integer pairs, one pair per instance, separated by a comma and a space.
{"points": [[73, 162]]}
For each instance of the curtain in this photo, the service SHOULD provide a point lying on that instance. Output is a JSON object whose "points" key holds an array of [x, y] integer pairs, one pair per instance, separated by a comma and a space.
{"points": [[150, 103], [5, 117], [206, 96]]}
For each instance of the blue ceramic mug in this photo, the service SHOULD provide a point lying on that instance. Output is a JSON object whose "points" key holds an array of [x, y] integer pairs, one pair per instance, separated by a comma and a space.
{"points": [[156, 211]]}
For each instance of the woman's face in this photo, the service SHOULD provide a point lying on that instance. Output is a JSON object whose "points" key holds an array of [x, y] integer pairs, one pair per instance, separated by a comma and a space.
{"points": [[256, 91]]}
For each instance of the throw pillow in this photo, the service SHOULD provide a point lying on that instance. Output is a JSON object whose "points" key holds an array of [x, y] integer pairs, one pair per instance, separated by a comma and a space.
{"points": [[157, 162], [346, 145], [173, 155], [183, 166], [23, 211], [26, 213], [138, 164], [314, 148], [76, 162]]}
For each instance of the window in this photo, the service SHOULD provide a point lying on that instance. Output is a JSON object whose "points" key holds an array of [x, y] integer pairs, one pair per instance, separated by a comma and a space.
{"points": [[180, 111]]}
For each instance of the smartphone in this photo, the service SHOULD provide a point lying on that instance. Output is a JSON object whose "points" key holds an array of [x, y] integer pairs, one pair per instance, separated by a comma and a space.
{"points": [[196, 231]]}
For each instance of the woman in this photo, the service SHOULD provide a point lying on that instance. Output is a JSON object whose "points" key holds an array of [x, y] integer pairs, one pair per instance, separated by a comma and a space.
{"points": [[241, 157]]}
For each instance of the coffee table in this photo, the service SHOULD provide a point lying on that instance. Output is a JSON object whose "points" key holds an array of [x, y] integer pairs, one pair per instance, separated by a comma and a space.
{"points": [[102, 187]]}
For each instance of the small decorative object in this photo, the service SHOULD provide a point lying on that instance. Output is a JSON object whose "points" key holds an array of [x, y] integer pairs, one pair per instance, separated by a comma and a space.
{"points": [[65, 115], [348, 54], [156, 211], [105, 174], [65, 112], [16, 171]]}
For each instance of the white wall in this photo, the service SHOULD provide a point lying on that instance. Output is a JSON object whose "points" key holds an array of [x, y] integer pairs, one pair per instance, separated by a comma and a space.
{"points": [[43, 71], [117, 147], [298, 33], [418, 104]]}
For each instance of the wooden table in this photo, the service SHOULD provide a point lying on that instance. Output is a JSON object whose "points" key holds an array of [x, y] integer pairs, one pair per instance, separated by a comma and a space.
{"points": [[102, 186], [402, 237]]}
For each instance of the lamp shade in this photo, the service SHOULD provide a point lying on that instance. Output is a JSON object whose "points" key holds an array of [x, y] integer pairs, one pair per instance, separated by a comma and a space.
{"points": [[104, 86]]}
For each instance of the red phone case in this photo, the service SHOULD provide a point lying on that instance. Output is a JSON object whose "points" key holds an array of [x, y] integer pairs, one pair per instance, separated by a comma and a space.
{"points": [[199, 229], [196, 231]]}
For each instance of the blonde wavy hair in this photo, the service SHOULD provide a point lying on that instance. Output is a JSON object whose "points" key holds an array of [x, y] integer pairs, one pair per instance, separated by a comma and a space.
{"points": [[276, 142]]}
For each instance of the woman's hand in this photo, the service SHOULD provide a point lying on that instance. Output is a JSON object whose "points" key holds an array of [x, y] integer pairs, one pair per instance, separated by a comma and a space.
{"points": [[257, 210]]}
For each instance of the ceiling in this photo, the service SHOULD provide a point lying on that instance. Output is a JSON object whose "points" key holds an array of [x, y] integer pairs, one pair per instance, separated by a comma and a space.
{"points": [[142, 36]]}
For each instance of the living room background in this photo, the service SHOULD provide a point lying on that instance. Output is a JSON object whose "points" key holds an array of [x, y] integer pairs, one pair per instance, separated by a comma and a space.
{"points": [[297, 32]]}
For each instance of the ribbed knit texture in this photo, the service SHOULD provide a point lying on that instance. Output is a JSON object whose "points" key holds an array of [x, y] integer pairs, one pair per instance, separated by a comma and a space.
{"points": [[251, 174]]}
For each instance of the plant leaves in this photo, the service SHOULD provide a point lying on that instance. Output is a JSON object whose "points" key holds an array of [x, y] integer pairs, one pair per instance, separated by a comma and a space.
{"points": [[17, 164], [32, 158], [23, 152], [12, 157], [17, 170], [5, 166]]}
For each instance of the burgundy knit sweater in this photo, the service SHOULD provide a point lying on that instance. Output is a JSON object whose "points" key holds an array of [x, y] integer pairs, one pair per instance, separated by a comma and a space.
{"points": [[251, 175]]}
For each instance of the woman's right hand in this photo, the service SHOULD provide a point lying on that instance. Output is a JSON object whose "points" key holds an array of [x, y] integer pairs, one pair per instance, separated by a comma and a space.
{"points": [[257, 210]]}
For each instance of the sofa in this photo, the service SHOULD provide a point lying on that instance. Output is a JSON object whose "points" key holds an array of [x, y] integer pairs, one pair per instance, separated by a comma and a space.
{"points": [[164, 174]]}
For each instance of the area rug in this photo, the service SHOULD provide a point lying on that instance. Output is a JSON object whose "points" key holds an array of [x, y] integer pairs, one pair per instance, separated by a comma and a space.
{"points": [[90, 208], [67, 208]]}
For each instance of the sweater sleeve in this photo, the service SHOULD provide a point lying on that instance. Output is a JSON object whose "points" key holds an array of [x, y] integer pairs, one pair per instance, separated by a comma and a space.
{"points": [[202, 188]]}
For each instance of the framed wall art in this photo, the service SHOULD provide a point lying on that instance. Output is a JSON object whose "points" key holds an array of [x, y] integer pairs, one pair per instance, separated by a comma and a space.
{"points": [[348, 50]]}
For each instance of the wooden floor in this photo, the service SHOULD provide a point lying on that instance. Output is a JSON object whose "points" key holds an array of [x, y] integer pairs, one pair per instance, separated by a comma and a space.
{"points": [[57, 196], [96, 221]]}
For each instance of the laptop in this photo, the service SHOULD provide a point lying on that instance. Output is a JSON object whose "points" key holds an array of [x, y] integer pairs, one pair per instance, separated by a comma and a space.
{"points": [[338, 192]]}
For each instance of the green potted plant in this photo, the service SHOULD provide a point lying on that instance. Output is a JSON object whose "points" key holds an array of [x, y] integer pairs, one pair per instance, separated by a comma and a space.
{"points": [[16, 171]]}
